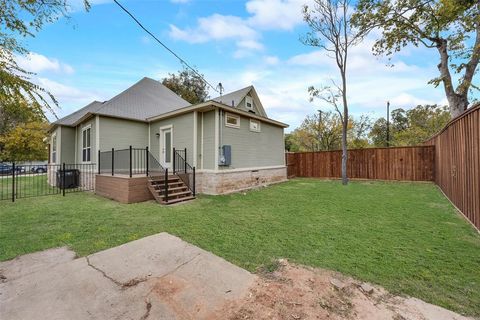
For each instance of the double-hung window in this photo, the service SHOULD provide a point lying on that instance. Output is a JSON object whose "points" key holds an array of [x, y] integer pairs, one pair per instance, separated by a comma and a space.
{"points": [[249, 103], [54, 148], [86, 144]]}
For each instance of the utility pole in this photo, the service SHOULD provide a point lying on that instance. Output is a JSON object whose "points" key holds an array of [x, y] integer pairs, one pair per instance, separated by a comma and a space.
{"points": [[388, 123], [319, 127]]}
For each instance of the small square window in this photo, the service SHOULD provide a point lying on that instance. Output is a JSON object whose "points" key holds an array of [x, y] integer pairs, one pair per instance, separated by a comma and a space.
{"points": [[254, 125], [232, 121]]}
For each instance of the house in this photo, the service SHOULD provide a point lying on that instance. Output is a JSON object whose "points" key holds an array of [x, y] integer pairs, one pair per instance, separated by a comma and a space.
{"points": [[229, 140]]}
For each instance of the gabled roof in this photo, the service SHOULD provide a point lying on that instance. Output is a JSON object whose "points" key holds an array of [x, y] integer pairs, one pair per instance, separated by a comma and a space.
{"points": [[235, 96], [145, 99], [72, 118]]}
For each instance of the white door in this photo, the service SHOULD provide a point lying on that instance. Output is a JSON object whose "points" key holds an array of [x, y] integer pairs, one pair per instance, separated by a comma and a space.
{"points": [[166, 148]]}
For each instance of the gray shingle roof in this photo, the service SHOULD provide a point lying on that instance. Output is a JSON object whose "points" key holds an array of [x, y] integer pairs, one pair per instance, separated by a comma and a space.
{"points": [[72, 118], [235, 96], [145, 99]]}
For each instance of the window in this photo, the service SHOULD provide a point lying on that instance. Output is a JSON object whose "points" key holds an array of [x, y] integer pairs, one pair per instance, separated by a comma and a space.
{"points": [[249, 103], [86, 144], [232, 121], [254, 125], [54, 148]]}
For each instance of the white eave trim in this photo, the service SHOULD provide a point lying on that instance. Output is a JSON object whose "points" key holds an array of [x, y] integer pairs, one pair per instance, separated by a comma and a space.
{"points": [[217, 105]]}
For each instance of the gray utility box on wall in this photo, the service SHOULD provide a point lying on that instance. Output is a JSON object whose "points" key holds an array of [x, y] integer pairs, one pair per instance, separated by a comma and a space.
{"points": [[226, 158]]}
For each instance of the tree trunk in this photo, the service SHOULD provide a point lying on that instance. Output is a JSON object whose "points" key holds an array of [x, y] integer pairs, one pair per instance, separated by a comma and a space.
{"points": [[344, 129], [457, 102]]}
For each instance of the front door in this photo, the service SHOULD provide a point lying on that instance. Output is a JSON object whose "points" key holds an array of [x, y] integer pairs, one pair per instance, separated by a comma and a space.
{"points": [[166, 148]]}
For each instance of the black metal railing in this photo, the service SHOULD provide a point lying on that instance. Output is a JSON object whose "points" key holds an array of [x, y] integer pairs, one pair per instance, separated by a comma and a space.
{"points": [[137, 161], [131, 161], [24, 181], [183, 169]]}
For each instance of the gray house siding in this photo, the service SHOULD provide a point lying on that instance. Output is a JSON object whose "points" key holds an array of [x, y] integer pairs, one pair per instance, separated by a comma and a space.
{"points": [[182, 128], [93, 131], [58, 133], [121, 134], [208, 140], [253, 149], [67, 147]]}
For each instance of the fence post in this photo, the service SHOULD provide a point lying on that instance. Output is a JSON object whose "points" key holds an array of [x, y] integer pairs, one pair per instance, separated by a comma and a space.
{"points": [[63, 179], [130, 149], [194, 181], [174, 157], [146, 160], [13, 182], [113, 161], [185, 160], [98, 161], [166, 185]]}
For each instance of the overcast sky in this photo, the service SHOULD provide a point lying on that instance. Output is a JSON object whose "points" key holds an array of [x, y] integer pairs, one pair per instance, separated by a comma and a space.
{"points": [[95, 55]]}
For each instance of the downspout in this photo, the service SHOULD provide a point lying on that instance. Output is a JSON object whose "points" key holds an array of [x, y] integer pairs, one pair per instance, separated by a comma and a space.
{"points": [[220, 150]]}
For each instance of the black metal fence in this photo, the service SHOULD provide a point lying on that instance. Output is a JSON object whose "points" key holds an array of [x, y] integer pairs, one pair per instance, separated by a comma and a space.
{"points": [[131, 161], [25, 181]]}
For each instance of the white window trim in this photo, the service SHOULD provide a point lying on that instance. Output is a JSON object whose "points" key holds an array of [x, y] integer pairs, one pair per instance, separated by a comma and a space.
{"points": [[81, 154], [231, 115], [249, 99], [259, 125], [54, 137]]}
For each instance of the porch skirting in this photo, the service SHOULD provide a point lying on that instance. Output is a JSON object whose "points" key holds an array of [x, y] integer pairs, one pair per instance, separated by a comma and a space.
{"points": [[122, 188], [229, 181]]}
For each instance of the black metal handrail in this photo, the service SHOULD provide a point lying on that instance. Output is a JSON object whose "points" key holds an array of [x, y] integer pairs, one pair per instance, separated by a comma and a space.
{"points": [[183, 169], [131, 161]]}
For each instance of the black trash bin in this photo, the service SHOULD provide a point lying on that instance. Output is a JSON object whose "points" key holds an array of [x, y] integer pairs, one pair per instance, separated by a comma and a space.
{"points": [[72, 178]]}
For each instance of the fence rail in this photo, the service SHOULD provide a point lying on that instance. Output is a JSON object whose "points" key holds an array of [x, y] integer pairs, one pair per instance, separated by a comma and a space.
{"points": [[457, 162], [400, 163], [24, 181], [131, 161]]}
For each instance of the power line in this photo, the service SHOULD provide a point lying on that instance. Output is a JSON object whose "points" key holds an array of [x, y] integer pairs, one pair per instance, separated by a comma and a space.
{"points": [[164, 45]]}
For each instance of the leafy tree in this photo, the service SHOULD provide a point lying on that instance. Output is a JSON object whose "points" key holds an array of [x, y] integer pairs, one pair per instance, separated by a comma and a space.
{"points": [[315, 134], [290, 144], [411, 127], [26, 142], [358, 132], [452, 27], [188, 85], [323, 132], [331, 30], [22, 131], [20, 19]]}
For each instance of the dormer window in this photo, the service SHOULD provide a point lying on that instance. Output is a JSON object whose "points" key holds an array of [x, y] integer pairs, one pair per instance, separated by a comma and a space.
{"points": [[249, 103]]}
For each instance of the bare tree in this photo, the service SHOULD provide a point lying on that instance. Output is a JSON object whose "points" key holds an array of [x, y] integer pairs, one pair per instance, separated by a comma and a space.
{"points": [[331, 30]]}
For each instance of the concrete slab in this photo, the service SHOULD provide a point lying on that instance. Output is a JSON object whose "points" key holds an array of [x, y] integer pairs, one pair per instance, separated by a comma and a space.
{"points": [[157, 277]]}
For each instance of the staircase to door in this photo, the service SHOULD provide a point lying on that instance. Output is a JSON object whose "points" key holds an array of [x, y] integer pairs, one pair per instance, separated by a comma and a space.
{"points": [[174, 185]]}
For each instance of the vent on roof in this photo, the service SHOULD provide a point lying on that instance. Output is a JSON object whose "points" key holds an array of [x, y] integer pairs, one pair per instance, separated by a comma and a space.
{"points": [[233, 103]]}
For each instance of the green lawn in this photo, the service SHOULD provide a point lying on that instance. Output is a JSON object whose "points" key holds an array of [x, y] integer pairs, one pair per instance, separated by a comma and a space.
{"points": [[26, 186], [404, 236]]}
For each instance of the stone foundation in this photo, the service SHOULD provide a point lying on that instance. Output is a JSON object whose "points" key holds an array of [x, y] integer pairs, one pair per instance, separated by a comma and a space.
{"points": [[229, 181], [123, 188]]}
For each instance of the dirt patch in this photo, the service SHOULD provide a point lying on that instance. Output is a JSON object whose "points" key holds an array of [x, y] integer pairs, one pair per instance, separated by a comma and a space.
{"points": [[295, 292]]}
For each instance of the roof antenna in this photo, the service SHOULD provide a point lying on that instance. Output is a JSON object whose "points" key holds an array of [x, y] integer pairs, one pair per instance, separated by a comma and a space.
{"points": [[220, 88]]}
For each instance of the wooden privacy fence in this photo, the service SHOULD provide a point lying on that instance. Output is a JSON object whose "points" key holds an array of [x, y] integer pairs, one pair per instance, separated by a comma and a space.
{"points": [[457, 162], [402, 163]]}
